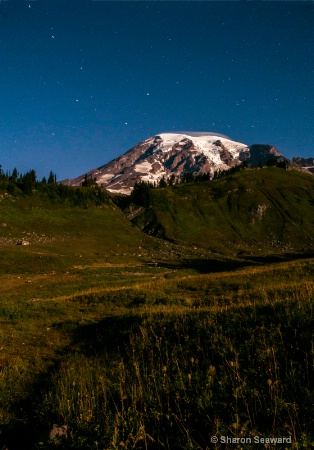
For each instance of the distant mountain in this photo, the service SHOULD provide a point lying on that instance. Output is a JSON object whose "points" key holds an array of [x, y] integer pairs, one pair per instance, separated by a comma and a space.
{"points": [[305, 163], [169, 154]]}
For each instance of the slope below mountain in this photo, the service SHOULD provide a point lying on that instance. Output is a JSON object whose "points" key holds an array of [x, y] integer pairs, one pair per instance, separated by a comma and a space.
{"points": [[268, 209]]}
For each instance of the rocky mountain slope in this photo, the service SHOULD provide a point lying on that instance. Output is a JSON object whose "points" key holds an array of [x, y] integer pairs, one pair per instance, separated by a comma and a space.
{"points": [[169, 154]]}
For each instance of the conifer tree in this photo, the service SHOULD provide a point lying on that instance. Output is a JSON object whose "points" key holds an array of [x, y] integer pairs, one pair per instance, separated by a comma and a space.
{"points": [[29, 181], [162, 183], [14, 175], [52, 178]]}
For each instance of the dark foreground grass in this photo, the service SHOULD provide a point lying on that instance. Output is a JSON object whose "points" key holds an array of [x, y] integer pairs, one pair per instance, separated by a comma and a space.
{"points": [[176, 362], [177, 380]]}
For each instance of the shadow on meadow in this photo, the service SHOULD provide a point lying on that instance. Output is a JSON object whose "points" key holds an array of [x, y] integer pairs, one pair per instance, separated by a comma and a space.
{"points": [[109, 336], [213, 265], [205, 265]]}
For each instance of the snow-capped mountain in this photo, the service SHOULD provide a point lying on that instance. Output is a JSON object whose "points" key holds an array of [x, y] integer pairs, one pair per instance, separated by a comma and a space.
{"points": [[174, 153]]}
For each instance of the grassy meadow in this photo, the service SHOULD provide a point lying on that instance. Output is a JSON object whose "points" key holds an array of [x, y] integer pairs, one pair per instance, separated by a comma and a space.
{"points": [[128, 341]]}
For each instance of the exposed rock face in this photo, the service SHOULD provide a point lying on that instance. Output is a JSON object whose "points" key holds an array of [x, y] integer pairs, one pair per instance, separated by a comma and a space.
{"points": [[169, 154], [258, 213], [261, 153]]}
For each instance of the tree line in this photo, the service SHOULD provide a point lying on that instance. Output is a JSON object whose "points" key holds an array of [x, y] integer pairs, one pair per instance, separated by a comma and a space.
{"points": [[26, 182], [16, 183]]}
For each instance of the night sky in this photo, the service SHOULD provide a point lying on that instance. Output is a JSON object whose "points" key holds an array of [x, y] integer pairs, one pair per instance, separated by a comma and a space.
{"points": [[83, 81]]}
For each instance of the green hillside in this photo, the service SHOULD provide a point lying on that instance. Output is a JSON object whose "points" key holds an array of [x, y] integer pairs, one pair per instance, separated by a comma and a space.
{"points": [[269, 210], [62, 232]]}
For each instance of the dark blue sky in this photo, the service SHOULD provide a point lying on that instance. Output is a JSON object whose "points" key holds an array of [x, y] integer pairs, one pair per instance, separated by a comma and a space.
{"points": [[81, 82]]}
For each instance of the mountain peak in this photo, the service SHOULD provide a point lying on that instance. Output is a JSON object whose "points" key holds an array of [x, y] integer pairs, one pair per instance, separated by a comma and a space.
{"points": [[173, 153]]}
